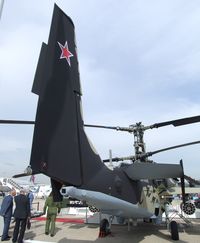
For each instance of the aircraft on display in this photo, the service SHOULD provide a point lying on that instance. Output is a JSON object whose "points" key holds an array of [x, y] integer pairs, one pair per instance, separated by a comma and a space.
{"points": [[62, 151]]}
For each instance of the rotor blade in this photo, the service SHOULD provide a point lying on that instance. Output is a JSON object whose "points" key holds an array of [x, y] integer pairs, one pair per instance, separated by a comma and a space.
{"points": [[33, 122], [169, 148], [178, 122], [16, 122], [116, 159], [99, 126], [85, 125], [127, 129], [190, 179], [21, 175]]}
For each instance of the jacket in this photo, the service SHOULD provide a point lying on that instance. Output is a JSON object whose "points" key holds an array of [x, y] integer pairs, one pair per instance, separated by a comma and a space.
{"points": [[7, 206], [51, 206], [22, 209]]}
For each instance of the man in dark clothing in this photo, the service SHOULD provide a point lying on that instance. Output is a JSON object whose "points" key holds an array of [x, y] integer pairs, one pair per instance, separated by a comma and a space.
{"points": [[6, 211], [21, 215]]}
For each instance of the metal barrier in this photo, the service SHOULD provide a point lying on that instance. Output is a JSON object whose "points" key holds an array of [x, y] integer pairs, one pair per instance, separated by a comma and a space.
{"points": [[37, 205]]}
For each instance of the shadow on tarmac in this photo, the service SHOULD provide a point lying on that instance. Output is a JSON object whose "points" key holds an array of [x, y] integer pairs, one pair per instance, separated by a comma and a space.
{"points": [[136, 234], [144, 232]]}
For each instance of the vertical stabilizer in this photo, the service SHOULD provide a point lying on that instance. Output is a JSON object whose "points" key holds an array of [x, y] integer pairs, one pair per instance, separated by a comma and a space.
{"points": [[55, 140], [60, 148]]}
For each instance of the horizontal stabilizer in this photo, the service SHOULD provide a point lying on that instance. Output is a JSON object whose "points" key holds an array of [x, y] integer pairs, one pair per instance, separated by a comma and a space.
{"points": [[21, 175], [139, 171]]}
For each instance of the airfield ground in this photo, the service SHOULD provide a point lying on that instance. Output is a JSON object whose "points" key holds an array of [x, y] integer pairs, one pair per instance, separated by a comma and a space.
{"points": [[82, 233], [71, 229]]}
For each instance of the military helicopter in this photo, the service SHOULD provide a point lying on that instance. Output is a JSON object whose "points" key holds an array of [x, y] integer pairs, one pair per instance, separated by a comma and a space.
{"points": [[62, 151]]}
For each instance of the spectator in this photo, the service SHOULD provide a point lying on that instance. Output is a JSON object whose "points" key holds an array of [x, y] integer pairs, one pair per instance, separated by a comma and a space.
{"points": [[21, 215], [31, 198], [53, 208], [6, 212]]}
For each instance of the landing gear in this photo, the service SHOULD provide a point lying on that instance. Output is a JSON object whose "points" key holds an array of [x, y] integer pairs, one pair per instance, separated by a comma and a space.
{"points": [[174, 230], [104, 228], [172, 226]]}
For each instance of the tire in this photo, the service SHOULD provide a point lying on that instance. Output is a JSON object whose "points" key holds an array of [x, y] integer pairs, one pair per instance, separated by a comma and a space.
{"points": [[104, 228], [174, 230]]}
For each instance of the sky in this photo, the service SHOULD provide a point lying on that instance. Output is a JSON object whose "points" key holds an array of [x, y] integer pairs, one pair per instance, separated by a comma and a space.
{"points": [[139, 61]]}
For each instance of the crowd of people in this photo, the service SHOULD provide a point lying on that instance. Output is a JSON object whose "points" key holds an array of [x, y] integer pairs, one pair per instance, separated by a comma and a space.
{"points": [[21, 215], [22, 205]]}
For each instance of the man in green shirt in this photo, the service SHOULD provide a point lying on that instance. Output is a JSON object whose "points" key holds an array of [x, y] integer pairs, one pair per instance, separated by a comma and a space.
{"points": [[52, 208]]}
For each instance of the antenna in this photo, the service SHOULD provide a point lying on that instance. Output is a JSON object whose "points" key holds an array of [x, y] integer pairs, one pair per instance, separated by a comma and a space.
{"points": [[110, 159]]}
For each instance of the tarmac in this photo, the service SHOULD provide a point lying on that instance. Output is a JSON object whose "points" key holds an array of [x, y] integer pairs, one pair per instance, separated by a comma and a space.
{"points": [[75, 232], [72, 229]]}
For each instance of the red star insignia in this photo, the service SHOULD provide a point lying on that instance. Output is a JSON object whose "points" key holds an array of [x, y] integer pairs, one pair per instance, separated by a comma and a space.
{"points": [[65, 52], [43, 165]]}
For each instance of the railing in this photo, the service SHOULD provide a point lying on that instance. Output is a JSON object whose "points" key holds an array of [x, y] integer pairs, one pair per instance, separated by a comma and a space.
{"points": [[14, 184], [37, 205]]}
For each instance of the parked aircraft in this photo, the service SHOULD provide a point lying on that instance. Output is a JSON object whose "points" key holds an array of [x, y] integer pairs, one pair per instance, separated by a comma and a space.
{"points": [[62, 150]]}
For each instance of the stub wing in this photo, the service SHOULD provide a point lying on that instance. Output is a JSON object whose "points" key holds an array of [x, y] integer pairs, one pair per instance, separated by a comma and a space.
{"points": [[108, 204], [152, 171]]}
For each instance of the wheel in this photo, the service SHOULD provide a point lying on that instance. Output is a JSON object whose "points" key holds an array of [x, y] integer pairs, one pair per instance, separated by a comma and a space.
{"points": [[174, 230], [104, 228]]}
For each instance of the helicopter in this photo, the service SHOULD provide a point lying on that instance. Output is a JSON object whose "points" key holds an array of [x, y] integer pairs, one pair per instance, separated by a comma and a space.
{"points": [[62, 151]]}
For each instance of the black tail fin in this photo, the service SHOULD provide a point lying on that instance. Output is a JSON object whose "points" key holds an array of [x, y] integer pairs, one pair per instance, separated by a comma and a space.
{"points": [[60, 147]]}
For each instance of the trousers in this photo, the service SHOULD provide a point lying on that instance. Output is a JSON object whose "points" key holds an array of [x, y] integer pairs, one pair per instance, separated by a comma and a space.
{"points": [[5, 227], [50, 224], [19, 230]]}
